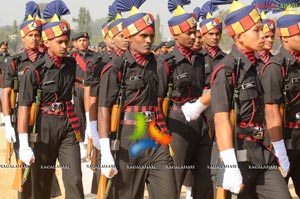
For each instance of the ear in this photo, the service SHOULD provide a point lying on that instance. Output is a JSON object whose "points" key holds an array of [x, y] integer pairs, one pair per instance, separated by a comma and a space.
{"points": [[284, 39], [47, 43]]}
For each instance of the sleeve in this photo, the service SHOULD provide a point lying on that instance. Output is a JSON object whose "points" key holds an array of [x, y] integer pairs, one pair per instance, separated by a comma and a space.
{"points": [[28, 87], [109, 86], [272, 83], [221, 93], [162, 79], [8, 75]]}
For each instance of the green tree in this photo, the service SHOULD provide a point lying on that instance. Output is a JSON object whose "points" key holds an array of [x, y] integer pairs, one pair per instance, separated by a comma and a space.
{"points": [[158, 35], [83, 21]]}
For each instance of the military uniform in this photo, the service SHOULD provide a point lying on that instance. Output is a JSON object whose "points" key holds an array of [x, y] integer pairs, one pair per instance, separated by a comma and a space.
{"points": [[190, 143], [57, 141], [259, 167], [273, 79], [87, 58], [140, 95]]}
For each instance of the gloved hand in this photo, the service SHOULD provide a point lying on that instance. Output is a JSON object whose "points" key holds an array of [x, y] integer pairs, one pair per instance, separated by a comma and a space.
{"points": [[108, 167], [95, 135], [193, 110], [88, 125], [10, 133], [281, 154], [232, 180], [25, 152]]}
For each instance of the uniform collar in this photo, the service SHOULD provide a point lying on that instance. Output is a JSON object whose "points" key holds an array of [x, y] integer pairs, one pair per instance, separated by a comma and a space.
{"points": [[236, 53], [288, 55], [49, 63], [178, 55], [131, 60]]}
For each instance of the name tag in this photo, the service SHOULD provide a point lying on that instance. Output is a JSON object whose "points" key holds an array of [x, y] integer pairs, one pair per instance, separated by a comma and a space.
{"points": [[183, 75], [248, 85]]}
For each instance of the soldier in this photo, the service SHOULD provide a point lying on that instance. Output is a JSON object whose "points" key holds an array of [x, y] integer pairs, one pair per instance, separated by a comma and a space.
{"points": [[49, 81], [197, 46], [138, 67], [269, 34], [280, 79], [3, 54], [252, 173], [185, 70], [30, 31], [83, 57], [170, 45], [101, 46]]}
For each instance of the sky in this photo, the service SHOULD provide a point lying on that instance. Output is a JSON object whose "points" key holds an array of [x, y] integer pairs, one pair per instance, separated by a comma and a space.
{"points": [[15, 9]]}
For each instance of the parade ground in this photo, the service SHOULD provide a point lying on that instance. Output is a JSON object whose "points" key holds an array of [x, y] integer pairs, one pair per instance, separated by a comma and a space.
{"points": [[7, 177]]}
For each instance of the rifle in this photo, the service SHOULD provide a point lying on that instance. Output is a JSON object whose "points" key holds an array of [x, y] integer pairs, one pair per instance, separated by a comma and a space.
{"points": [[94, 159], [115, 120], [20, 177], [167, 100], [89, 149], [8, 153]]}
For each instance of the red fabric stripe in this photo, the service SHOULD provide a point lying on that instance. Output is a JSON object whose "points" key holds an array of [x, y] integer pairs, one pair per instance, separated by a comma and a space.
{"points": [[187, 52], [56, 60], [32, 54], [212, 51], [81, 63]]}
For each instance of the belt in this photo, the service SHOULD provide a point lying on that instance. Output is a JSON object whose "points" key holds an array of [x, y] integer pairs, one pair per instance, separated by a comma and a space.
{"points": [[54, 107], [79, 82], [257, 133]]}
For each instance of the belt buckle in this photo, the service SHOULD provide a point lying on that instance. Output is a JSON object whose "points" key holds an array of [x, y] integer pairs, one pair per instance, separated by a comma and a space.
{"points": [[258, 133], [297, 116], [57, 107], [149, 116]]}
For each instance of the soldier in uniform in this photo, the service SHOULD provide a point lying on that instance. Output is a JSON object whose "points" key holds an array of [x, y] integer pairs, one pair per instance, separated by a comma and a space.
{"points": [[140, 97], [4, 55], [190, 143], [170, 45], [30, 31], [269, 33], [280, 79], [252, 173], [83, 57], [49, 81]]}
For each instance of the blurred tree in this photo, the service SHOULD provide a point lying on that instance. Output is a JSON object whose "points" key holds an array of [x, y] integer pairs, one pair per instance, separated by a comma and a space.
{"points": [[83, 21], [158, 35]]}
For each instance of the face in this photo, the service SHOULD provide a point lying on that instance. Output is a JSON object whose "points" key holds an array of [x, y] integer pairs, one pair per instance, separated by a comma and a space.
{"points": [[252, 39], [32, 40], [82, 44], [3, 48], [291, 43], [120, 42], [269, 40], [212, 38], [186, 39], [142, 41], [58, 46], [198, 40], [163, 50], [109, 43]]}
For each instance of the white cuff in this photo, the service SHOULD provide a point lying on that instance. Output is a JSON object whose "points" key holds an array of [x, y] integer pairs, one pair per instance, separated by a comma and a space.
{"points": [[229, 158], [93, 124], [105, 146], [23, 137], [201, 107], [87, 116], [279, 148], [6, 120]]}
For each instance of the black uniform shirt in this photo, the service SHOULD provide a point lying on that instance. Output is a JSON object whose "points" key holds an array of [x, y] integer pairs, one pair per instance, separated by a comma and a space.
{"points": [[56, 83], [3, 60], [273, 80], [21, 61], [222, 89], [86, 57], [96, 72], [141, 82], [211, 63], [188, 79]]}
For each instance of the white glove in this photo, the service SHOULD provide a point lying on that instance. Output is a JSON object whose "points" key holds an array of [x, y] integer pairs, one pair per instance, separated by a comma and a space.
{"points": [[95, 135], [108, 167], [10, 133], [88, 124], [25, 152], [232, 180], [193, 110], [280, 152]]}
